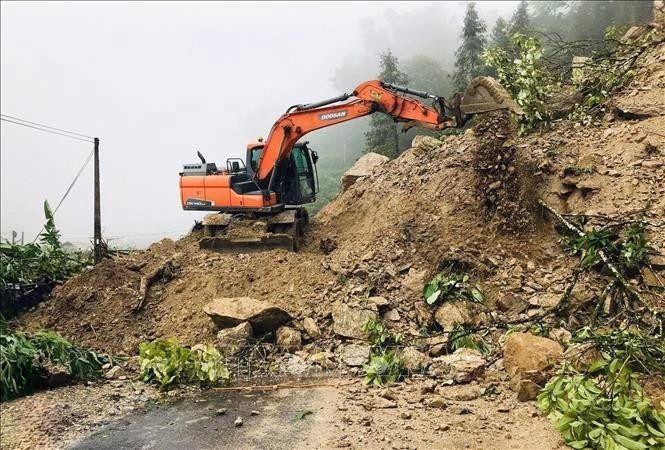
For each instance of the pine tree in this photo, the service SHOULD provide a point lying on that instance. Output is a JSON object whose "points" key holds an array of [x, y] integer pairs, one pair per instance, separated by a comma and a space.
{"points": [[468, 62], [382, 136], [520, 23], [500, 36]]}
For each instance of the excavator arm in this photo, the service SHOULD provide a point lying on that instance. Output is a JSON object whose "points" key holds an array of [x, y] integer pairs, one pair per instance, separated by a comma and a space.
{"points": [[483, 94]]}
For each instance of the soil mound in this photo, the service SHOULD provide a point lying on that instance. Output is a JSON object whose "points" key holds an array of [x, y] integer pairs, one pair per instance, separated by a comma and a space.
{"points": [[470, 203]]}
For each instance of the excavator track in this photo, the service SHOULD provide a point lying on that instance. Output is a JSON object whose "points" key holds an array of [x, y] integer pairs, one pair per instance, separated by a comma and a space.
{"points": [[253, 232]]}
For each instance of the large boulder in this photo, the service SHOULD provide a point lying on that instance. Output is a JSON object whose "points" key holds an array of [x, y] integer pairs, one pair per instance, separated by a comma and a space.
{"points": [[232, 311], [288, 339], [348, 319], [231, 340], [525, 352], [362, 168], [463, 366]]}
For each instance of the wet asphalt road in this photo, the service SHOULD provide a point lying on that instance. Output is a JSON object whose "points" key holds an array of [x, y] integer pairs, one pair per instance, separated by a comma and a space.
{"points": [[195, 423]]}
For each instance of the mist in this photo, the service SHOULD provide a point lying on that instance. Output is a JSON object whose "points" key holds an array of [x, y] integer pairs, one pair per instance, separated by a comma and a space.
{"points": [[158, 81]]}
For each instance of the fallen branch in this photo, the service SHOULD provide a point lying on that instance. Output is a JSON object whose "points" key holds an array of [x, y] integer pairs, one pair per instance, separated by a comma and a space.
{"points": [[165, 272], [610, 265]]}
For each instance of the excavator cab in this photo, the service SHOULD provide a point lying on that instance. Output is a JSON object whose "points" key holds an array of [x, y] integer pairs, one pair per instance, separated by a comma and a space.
{"points": [[296, 180]]}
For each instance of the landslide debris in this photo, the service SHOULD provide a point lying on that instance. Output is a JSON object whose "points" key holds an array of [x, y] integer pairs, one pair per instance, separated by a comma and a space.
{"points": [[466, 203]]}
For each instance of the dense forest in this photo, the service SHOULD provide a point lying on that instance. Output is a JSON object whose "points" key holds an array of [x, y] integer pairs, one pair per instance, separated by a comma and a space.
{"points": [[427, 51]]}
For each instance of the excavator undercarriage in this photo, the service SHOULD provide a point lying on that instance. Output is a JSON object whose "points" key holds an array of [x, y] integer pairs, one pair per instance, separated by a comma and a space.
{"points": [[253, 231]]}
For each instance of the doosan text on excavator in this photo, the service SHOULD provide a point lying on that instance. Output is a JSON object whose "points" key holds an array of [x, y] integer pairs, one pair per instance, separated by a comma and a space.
{"points": [[259, 202]]}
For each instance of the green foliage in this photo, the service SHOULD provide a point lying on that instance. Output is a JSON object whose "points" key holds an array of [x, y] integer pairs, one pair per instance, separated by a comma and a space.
{"points": [[166, 363], [469, 61], [382, 135], [525, 78], [17, 364], [635, 246], [603, 408], [500, 36], [629, 247], [449, 285], [43, 261], [587, 247], [80, 362], [384, 366], [24, 359], [461, 338], [379, 336]]}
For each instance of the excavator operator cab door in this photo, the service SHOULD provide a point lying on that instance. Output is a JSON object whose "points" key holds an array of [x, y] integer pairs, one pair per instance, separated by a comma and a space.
{"points": [[296, 181]]}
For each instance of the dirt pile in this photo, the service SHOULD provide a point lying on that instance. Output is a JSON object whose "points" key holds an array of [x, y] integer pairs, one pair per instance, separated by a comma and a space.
{"points": [[468, 203]]}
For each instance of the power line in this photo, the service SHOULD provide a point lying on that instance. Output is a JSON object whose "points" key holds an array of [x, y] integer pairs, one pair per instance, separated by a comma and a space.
{"points": [[47, 131], [47, 126], [76, 177]]}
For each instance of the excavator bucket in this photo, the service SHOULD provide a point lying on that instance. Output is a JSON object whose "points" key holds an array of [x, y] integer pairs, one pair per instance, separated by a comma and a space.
{"points": [[226, 232], [485, 94]]}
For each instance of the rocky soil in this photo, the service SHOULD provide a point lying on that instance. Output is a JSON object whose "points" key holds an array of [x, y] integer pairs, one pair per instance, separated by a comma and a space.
{"points": [[469, 203]]}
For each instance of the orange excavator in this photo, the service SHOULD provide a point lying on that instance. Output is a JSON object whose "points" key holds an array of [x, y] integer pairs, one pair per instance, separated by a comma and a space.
{"points": [[259, 201]]}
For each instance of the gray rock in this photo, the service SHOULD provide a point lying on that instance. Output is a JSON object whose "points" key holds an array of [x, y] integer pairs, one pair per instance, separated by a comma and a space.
{"points": [[231, 340], [232, 311], [238, 422], [311, 328], [288, 339], [348, 320], [355, 355], [463, 366]]}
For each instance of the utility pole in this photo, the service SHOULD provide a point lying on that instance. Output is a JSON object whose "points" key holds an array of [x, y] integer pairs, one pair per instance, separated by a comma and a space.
{"points": [[97, 242]]}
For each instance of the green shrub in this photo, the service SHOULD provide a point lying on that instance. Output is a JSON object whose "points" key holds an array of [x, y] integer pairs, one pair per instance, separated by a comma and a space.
{"points": [[166, 363], [384, 368], [45, 260], [525, 77], [24, 360], [602, 409]]}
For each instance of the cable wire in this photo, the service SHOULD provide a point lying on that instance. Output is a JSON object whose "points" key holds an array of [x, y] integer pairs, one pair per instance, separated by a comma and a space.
{"points": [[47, 126], [48, 131], [78, 174]]}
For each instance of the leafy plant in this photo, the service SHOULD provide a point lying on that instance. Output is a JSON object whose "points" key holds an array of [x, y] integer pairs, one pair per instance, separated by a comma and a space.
{"points": [[587, 246], [379, 336], [24, 359], [80, 362], [451, 286], [207, 365], [164, 362], [603, 408], [525, 77], [46, 260], [383, 368], [635, 247], [461, 338]]}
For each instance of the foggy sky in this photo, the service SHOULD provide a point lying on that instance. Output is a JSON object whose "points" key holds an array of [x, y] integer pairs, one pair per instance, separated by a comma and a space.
{"points": [[158, 81]]}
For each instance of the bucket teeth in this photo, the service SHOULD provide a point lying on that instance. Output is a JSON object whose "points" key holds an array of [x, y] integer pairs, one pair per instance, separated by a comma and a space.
{"points": [[485, 94]]}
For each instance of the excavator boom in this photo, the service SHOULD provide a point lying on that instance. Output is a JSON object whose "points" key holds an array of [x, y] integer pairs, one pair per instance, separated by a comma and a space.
{"points": [[279, 175]]}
